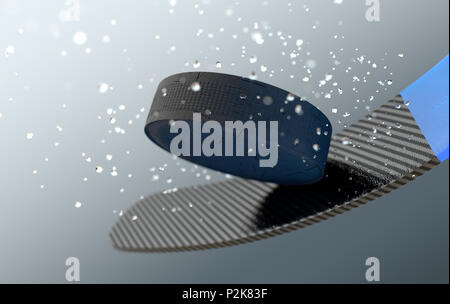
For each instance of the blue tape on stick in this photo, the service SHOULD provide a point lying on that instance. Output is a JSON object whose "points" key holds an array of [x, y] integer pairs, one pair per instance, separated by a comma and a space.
{"points": [[428, 102]]}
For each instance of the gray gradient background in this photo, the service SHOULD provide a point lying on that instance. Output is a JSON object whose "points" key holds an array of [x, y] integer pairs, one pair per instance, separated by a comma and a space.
{"points": [[39, 228]]}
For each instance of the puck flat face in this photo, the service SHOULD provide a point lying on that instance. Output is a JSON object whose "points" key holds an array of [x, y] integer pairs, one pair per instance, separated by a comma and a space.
{"points": [[240, 126]]}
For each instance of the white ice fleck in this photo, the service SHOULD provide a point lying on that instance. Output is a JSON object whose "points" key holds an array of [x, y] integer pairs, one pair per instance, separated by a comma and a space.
{"points": [[106, 39], [79, 38], [103, 87], [195, 86], [257, 37], [10, 49]]}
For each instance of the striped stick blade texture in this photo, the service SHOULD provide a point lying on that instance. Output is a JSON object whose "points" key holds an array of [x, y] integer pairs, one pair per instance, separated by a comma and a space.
{"points": [[374, 156]]}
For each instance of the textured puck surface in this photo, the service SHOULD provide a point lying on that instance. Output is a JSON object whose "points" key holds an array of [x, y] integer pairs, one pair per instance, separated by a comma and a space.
{"points": [[304, 132], [369, 159]]}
